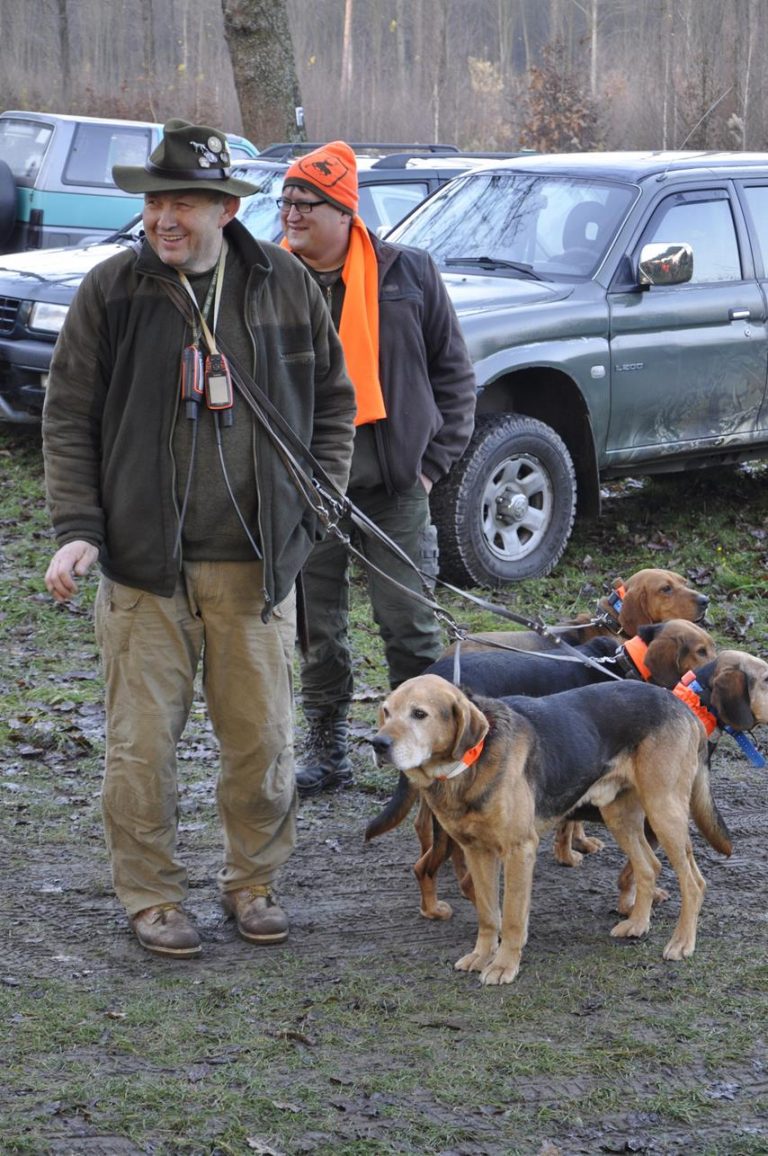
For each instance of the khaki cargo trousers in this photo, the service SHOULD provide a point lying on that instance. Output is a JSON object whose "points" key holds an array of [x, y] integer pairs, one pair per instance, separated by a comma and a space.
{"points": [[151, 648]]}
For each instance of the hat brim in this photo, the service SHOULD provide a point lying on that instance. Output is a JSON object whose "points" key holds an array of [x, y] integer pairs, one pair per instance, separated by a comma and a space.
{"points": [[135, 179]]}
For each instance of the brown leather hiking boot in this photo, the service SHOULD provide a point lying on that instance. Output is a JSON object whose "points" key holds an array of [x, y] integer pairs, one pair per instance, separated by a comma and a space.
{"points": [[166, 930], [259, 917]]}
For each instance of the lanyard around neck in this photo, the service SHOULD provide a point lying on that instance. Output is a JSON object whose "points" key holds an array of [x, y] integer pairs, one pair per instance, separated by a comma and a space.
{"points": [[218, 283]]}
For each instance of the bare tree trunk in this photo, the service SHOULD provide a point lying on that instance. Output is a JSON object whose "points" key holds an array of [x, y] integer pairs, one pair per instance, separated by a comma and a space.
{"points": [[261, 49], [441, 35], [346, 65], [593, 49], [751, 18], [150, 56], [666, 51], [65, 57]]}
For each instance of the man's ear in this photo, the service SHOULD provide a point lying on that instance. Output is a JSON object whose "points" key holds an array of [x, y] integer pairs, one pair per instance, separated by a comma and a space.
{"points": [[229, 208]]}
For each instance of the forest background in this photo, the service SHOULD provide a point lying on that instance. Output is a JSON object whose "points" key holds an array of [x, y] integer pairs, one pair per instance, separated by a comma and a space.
{"points": [[484, 74]]}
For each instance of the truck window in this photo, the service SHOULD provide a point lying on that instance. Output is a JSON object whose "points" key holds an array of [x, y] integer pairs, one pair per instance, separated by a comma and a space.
{"points": [[97, 147], [706, 225], [22, 147], [757, 200]]}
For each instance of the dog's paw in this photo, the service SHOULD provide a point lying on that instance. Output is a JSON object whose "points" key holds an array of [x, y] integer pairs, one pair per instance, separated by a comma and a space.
{"points": [[440, 910], [501, 969], [473, 961], [587, 845], [680, 946], [567, 857], [631, 928]]}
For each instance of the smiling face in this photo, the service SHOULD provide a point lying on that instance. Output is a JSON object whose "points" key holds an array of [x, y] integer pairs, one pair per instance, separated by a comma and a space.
{"points": [[185, 227], [320, 237]]}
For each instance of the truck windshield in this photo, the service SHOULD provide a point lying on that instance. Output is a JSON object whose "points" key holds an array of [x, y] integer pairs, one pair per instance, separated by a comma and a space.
{"points": [[553, 226]]}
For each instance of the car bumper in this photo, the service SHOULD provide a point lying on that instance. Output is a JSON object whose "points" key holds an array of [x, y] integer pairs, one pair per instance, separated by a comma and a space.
{"points": [[23, 374]]}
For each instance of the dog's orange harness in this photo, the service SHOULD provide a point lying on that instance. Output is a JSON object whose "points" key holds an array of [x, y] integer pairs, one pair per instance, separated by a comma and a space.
{"points": [[467, 759], [688, 690]]}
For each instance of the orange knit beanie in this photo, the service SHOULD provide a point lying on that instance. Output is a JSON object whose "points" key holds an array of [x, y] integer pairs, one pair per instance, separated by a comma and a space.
{"points": [[330, 171]]}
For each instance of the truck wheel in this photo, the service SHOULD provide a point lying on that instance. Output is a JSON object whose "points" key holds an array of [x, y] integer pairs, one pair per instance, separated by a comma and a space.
{"points": [[7, 204], [505, 511]]}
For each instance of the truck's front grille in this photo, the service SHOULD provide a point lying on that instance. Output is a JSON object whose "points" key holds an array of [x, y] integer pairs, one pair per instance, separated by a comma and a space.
{"points": [[9, 309]]}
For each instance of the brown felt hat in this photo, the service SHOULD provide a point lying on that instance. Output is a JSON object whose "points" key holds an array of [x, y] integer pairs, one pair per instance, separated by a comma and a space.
{"points": [[189, 156]]}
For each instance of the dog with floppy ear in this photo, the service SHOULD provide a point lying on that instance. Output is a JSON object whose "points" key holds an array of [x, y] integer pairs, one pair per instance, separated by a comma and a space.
{"points": [[731, 691], [496, 775], [668, 650], [650, 595]]}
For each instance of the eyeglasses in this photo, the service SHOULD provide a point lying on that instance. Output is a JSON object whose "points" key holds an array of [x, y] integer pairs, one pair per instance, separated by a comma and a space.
{"points": [[285, 205]]}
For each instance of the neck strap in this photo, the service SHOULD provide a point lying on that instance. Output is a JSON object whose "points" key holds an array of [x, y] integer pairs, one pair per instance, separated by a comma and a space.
{"points": [[217, 284]]}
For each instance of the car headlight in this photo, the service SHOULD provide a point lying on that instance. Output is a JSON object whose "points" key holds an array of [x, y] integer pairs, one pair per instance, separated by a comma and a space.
{"points": [[46, 317]]}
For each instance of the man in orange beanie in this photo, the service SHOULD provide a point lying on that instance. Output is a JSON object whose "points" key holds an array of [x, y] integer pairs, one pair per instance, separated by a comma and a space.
{"points": [[415, 392]]}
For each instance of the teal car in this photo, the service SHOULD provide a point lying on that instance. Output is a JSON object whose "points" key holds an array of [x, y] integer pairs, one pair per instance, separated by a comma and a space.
{"points": [[56, 184]]}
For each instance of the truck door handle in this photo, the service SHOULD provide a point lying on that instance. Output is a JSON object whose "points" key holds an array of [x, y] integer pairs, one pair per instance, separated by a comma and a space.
{"points": [[738, 315]]}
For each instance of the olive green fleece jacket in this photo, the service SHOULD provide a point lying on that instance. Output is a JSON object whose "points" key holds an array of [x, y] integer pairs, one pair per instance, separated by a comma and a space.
{"points": [[113, 397]]}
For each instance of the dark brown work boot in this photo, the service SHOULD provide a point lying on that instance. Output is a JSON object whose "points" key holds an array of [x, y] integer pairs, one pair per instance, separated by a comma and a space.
{"points": [[259, 917], [165, 930]]}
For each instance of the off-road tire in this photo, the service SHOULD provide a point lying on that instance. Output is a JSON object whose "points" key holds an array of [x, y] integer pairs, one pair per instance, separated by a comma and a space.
{"points": [[7, 205], [505, 511]]}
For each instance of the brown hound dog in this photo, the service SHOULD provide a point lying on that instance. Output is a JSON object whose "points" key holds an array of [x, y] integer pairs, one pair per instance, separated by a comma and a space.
{"points": [[496, 775], [662, 654], [650, 595], [731, 691]]}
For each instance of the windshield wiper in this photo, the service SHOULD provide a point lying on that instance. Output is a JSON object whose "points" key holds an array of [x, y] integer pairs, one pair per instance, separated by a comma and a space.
{"points": [[495, 263]]}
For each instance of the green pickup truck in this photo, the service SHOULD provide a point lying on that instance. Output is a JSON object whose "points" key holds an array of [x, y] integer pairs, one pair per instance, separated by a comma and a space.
{"points": [[56, 184], [615, 307]]}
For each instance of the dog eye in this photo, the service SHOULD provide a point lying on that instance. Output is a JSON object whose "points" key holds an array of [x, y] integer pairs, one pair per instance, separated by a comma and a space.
{"points": [[666, 589], [418, 713]]}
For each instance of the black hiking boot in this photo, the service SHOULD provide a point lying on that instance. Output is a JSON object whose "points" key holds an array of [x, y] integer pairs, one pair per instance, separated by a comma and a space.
{"points": [[328, 767]]}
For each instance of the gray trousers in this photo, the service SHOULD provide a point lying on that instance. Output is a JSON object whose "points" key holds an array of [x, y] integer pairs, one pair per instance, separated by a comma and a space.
{"points": [[151, 648], [410, 631]]}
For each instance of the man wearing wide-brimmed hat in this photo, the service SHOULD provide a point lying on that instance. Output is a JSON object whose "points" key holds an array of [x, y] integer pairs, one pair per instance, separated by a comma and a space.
{"points": [[156, 466]]}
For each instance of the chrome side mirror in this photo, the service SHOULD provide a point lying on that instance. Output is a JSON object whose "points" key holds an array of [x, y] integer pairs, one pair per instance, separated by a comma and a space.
{"points": [[665, 264]]}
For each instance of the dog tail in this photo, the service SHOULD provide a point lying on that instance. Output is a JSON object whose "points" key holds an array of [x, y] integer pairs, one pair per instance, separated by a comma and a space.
{"points": [[705, 813], [395, 810]]}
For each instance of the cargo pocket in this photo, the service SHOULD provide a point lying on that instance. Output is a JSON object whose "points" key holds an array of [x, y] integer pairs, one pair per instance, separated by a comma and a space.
{"points": [[115, 615], [429, 554]]}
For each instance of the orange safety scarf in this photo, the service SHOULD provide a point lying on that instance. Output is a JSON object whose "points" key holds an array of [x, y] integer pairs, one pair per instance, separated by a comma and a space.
{"points": [[359, 325]]}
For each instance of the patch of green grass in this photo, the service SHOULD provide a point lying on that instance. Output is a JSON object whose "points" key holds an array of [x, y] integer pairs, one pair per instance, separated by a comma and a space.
{"points": [[356, 1058]]}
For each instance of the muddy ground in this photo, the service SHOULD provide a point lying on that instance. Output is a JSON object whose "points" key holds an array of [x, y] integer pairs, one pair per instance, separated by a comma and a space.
{"points": [[354, 913], [357, 1037]]}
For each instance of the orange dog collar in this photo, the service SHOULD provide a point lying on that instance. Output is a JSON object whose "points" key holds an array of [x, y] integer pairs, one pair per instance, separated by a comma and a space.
{"points": [[467, 759], [636, 650]]}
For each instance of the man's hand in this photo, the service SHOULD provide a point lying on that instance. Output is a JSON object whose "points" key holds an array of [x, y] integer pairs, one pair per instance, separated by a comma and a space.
{"points": [[426, 482], [76, 558]]}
